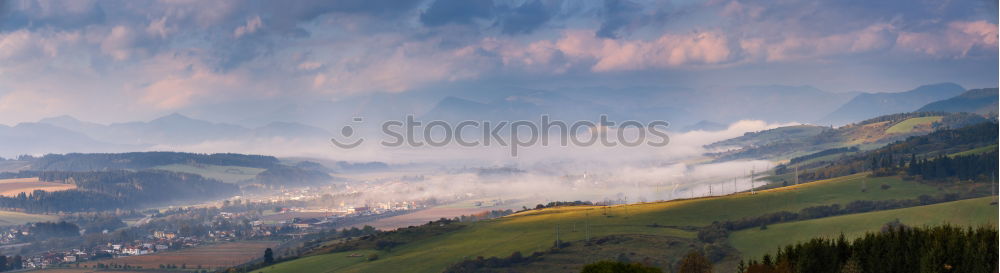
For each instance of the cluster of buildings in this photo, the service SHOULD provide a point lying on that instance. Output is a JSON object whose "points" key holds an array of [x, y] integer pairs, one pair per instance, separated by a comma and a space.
{"points": [[155, 242]]}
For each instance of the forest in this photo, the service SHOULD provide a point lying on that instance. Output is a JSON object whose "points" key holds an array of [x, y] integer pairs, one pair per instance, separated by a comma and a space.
{"points": [[922, 150], [118, 189], [145, 160], [897, 248]]}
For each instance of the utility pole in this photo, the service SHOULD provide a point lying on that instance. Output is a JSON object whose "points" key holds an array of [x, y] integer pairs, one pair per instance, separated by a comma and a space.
{"points": [[796, 175], [558, 244], [752, 173]]}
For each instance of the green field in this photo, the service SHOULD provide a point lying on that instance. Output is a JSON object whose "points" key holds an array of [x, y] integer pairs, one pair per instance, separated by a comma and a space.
{"points": [[10, 218], [535, 230], [980, 150], [908, 125], [971, 212], [228, 174], [320, 263]]}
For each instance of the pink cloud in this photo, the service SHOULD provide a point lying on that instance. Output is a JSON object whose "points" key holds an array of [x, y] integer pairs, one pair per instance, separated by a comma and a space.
{"points": [[956, 40], [582, 46], [178, 82]]}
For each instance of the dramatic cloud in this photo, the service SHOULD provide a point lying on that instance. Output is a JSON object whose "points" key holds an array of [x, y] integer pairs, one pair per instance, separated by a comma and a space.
{"points": [[527, 17], [443, 12], [153, 57]]}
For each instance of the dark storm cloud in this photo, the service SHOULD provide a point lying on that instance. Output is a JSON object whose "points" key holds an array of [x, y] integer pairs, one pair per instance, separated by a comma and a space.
{"points": [[846, 15], [460, 12], [483, 15], [67, 15], [528, 17], [163, 54], [616, 15], [258, 25]]}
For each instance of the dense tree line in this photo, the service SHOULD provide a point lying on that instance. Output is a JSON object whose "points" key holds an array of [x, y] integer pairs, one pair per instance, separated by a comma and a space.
{"points": [[45, 230], [10, 263], [895, 118], [486, 215], [145, 160], [858, 206], [895, 249], [964, 167], [107, 190], [480, 264], [823, 153], [894, 158], [560, 204], [97, 222]]}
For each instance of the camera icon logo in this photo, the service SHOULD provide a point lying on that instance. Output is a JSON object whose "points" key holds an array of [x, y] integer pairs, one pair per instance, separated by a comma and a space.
{"points": [[347, 133]]}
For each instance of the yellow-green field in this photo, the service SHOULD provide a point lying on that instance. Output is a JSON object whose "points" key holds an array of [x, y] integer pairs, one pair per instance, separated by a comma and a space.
{"points": [[972, 212], [980, 150], [320, 263], [911, 124], [228, 174], [535, 230], [10, 218]]}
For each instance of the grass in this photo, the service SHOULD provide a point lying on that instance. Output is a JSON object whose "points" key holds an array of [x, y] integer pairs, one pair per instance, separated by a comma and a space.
{"points": [[332, 262], [13, 187], [11, 218], [228, 174], [208, 257], [909, 125], [755, 242], [536, 230], [980, 150]]}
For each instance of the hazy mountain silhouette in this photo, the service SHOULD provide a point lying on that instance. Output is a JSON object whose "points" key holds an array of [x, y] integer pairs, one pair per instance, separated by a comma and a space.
{"points": [[869, 105], [980, 101], [41, 138], [68, 134]]}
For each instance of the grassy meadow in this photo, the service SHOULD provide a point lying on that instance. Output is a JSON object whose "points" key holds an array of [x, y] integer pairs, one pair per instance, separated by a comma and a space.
{"points": [[971, 212], [911, 124], [228, 174], [536, 230], [10, 218]]}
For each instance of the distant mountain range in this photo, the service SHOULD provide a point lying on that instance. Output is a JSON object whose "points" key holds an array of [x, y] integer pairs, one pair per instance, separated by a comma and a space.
{"points": [[686, 109], [67, 134], [868, 105], [979, 101]]}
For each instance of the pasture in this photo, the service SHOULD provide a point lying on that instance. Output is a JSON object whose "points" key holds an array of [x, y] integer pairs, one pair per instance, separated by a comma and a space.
{"points": [[13, 187], [332, 262], [228, 174], [913, 124], [204, 257], [11, 218], [971, 212], [536, 230]]}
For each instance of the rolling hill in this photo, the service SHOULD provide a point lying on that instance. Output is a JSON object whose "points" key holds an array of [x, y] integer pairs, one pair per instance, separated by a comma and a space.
{"points": [[876, 104], [794, 141], [980, 101], [621, 229], [64, 134], [971, 212]]}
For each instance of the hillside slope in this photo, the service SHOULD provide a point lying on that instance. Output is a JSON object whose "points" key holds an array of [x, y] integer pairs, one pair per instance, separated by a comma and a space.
{"points": [[794, 141], [979, 101], [876, 104], [535, 230]]}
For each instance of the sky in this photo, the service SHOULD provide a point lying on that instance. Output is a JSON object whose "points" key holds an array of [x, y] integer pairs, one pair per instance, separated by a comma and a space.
{"points": [[114, 61]]}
